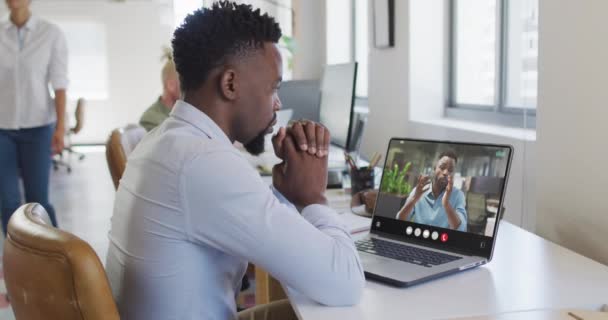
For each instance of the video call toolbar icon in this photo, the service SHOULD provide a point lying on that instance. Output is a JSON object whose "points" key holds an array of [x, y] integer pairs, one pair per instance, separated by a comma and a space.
{"points": [[444, 237], [435, 235], [417, 232], [409, 230], [426, 234]]}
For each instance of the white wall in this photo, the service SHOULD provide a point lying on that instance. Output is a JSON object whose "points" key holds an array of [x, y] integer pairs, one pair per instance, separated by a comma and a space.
{"points": [[428, 54], [572, 147], [135, 36], [309, 34], [388, 86], [407, 94]]}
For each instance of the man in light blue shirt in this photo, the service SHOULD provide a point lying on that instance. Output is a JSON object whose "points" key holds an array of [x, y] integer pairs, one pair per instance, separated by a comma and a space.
{"points": [[191, 212], [438, 204]]}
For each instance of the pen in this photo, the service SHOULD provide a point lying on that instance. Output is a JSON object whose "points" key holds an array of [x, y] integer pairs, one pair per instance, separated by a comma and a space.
{"points": [[350, 161], [375, 159], [574, 316]]}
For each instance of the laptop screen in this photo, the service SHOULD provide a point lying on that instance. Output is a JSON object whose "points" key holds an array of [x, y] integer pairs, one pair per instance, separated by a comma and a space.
{"points": [[444, 194]]}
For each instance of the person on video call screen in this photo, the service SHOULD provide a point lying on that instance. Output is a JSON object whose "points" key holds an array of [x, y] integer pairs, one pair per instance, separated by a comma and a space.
{"points": [[434, 201]]}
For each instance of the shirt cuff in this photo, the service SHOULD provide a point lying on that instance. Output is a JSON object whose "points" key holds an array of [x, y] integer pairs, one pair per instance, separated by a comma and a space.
{"points": [[282, 198], [59, 83]]}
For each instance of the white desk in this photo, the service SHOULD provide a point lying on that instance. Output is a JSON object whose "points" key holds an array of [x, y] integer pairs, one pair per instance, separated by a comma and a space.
{"points": [[527, 273]]}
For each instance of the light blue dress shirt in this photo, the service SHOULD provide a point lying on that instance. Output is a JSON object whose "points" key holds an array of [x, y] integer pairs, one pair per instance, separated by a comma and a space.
{"points": [[190, 212], [430, 211]]}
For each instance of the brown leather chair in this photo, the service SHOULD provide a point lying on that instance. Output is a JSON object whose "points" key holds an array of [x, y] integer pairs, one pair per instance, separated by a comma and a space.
{"points": [[118, 147], [52, 274]]}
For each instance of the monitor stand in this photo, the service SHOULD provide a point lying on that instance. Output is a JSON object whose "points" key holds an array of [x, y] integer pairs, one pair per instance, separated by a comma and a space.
{"points": [[336, 167], [334, 178]]}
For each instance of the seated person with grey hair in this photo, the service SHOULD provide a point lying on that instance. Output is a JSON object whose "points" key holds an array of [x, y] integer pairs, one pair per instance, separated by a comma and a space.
{"points": [[159, 110]]}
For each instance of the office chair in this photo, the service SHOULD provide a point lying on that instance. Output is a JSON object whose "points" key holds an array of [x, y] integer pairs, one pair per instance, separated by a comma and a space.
{"points": [[118, 147], [52, 274], [481, 189], [79, 116]]}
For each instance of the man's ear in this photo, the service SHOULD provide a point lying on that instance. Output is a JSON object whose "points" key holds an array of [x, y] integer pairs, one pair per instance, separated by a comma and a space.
{"points": [[229, 84]]}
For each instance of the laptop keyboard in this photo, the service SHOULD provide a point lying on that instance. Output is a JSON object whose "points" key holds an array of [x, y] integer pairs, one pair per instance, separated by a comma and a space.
{"points": [[398, 251]]}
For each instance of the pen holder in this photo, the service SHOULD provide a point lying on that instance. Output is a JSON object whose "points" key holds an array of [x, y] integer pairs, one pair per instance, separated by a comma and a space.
{"points": [[361, 179]]}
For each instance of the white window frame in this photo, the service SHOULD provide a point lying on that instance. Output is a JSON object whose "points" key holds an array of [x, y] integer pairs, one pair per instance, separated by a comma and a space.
{"points": [[498, 113]]}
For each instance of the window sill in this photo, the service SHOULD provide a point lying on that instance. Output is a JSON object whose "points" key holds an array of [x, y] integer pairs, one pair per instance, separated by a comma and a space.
{"points": [[514, 133]]}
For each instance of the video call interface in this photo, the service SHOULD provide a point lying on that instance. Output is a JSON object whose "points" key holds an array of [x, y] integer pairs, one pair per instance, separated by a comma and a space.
{"points": [[443, 185]]}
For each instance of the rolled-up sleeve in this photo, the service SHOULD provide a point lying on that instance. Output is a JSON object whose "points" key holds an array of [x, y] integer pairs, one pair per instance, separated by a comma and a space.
{"points": [[311, 252], [58, 67], [461, 211]]}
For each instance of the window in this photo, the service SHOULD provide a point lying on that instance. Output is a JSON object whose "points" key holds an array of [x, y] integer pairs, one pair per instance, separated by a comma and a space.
{"points": [[347, 34], [494, 61]]}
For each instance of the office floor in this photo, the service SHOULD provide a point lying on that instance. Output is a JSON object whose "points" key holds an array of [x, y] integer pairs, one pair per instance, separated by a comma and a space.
{"points": [[83, 200]]}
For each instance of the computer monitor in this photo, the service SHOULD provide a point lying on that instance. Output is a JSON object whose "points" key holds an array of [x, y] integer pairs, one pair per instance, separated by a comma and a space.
{"points": [[303, 97], [336, 111]]}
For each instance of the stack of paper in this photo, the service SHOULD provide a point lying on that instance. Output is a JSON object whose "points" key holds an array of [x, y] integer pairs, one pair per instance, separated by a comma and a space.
{"points": [[355, 223]]}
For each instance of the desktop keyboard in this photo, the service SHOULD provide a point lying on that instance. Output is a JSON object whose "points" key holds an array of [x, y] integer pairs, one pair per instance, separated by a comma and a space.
{"points": [[402, 252]]}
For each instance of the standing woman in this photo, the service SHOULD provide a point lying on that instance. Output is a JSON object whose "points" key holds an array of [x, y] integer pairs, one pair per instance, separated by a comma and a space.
{"points": [[33, 54]]}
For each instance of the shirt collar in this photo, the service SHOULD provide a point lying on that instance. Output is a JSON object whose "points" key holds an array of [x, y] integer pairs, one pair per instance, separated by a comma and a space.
{"points": [[6, 22], [162, 108], [29, 25], [188, 113], [429, 193]]}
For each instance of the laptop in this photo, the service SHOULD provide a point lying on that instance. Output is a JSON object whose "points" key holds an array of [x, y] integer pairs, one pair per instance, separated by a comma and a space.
{"points": [[420, 235]]}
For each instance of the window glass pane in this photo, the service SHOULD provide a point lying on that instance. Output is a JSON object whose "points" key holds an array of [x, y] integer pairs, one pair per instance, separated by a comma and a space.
{"points": [[475, 51], [339, 26], [281, 11], [522, 54], [361, 46]]}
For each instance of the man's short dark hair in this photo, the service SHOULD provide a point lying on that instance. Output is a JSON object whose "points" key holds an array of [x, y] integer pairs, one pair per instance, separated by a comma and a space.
{"points": [[449, 154], [210, 36]]}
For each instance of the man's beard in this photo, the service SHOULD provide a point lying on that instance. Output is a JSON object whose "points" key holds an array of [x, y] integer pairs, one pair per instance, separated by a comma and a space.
{"points": [[256, 146], [442, 183]]}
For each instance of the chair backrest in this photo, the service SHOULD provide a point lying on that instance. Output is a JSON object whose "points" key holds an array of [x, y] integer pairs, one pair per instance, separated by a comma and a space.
{"points": [[118, 147], [486, 185], [52, 274], [79, 115]]}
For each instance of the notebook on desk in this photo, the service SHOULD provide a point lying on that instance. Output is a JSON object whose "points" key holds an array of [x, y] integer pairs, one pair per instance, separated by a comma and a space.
{"points": [[431, 215]]}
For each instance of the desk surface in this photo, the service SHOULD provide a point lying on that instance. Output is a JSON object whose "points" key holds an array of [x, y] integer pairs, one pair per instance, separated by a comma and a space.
{"points": [[527, 273]]}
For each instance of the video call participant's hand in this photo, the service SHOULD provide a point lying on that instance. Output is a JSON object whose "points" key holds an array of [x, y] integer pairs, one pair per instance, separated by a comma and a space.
{"points": [[422, 186], [301, 177], [308, 136], [445, 201]]}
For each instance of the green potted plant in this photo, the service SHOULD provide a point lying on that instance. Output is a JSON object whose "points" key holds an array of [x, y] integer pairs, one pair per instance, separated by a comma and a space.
{"points": [[394, 190]]}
